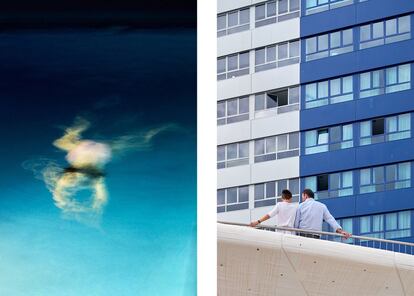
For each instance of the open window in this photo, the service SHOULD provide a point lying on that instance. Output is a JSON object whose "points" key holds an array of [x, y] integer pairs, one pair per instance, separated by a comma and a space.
{"points": [[322, 182], [378, 126]]}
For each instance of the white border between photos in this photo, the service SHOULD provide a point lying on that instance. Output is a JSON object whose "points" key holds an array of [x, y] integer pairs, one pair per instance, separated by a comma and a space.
{"points": [[206, 148]]}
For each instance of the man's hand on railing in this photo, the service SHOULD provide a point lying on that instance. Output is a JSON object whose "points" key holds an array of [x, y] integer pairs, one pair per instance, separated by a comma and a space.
{"points": [[344, 233], [254, 223]]}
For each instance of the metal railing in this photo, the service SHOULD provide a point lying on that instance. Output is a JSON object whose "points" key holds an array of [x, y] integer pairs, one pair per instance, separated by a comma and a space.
{"points": [[364, 241]]}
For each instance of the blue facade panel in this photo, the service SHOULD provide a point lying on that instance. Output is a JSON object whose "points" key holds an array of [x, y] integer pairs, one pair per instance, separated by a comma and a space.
{"points": [[358, 157], [351, 15], [356, 61], [338, 64]]}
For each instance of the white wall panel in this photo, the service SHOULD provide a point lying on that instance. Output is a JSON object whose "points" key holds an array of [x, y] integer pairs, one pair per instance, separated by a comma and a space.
{"points": [[242, 216], [275, 125], [235, 176], [275, 170], [233, 43], [234, 132], [234, 87], [276, 33], [227, 5], [275, 78]]}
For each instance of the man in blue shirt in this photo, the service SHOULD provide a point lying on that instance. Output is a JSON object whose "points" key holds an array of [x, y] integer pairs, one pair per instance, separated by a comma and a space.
{"points": [[311, 214]]}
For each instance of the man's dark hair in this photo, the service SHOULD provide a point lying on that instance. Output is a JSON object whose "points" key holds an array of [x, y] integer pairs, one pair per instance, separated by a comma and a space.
{"points": [[308, 192], [286, 194]]}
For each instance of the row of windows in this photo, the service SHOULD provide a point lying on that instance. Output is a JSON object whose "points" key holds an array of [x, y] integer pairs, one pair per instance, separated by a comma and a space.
{"points": [[265, 149], [269, 57], [265, 194], [330, 44], [386, 226], [370, 35], [265, 13], [374, 179], [332, 91], [370, 83], [235, 110], [315, 6], [372, 131]]}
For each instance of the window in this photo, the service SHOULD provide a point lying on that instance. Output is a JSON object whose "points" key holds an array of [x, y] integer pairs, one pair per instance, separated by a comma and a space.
{"points": [[329, 92], [388, 226], [315, 6], [284, 100], [233, 22], [328, 139], [277, 55], [384, 32], [233, 65], [331, 185], [276, 147], [385, 129], [346, 224], [276, 11], [267, 194], [388, 80], [233, 110], [232, 155], [389, 177], [331, 44], [232, 199]]}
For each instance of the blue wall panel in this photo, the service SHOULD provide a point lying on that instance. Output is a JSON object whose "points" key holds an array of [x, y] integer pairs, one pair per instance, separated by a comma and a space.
{"points": [[352, 15]]}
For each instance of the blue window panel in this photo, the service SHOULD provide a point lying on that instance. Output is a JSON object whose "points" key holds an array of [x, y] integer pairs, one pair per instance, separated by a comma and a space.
{"points": [[329, 92], [395, 128], [389, 177], [383, 81], [329, 139], [385, 32], [339, 184], [330, 44], [389, 226], [316, 6]]}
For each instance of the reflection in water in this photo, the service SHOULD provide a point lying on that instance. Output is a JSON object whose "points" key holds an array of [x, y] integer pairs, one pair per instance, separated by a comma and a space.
{"points": [[87, 159]]}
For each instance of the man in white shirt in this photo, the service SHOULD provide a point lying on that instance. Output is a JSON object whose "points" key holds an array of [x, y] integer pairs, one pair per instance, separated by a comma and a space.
{"points": [[284, 211]]}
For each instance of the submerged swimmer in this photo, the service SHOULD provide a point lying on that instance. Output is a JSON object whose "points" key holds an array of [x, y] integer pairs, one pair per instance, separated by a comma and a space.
{"points": [[87, 159]]}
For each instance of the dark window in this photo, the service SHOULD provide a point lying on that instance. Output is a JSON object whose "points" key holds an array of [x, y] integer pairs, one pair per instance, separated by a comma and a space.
{"points": [[378, 126], [322, 182]]}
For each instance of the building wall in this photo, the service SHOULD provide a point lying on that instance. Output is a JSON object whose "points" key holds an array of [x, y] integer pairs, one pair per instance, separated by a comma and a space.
{"points": [[329, 20]]}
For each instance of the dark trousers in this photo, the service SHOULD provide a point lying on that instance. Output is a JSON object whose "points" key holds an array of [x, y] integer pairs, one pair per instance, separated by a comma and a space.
{"points": [[310, 235]]}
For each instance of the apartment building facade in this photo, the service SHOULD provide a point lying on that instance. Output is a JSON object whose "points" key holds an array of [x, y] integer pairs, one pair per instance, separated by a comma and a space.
{"points": [[317, 94]]}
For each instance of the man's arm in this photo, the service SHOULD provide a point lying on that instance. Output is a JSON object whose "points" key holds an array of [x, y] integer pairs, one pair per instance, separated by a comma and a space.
{"points": [[332, 222], [272, 213]]}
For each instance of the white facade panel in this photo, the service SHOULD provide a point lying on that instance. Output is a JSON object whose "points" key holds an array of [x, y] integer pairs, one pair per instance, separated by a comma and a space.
{"points": [[275, 78], [276, 33], [275, 125], [234, 132], [227, 5], [235, 176], [233, 43], [275, 170], [242, 216], [234, 87]]}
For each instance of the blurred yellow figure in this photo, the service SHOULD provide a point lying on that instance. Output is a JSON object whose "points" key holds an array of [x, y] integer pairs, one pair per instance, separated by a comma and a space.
{"points": [[87, 159]]}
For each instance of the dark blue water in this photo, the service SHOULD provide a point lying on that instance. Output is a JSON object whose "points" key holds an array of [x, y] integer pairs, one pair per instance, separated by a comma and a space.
{"points": [[123, 82]]}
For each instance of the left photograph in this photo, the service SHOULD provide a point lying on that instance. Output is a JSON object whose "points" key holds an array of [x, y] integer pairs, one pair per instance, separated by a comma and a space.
{"points": [[98, 149]]}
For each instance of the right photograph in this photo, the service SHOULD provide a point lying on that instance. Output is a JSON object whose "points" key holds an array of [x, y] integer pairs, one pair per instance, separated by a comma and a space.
{"points": [[314, 147]]}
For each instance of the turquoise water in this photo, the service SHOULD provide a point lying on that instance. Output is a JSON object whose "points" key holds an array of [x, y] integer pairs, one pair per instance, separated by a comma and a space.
{"points": [[144, 240]]}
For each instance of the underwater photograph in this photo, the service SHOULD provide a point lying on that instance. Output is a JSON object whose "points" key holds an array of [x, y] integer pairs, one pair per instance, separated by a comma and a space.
{"points": [[98, 155]]}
